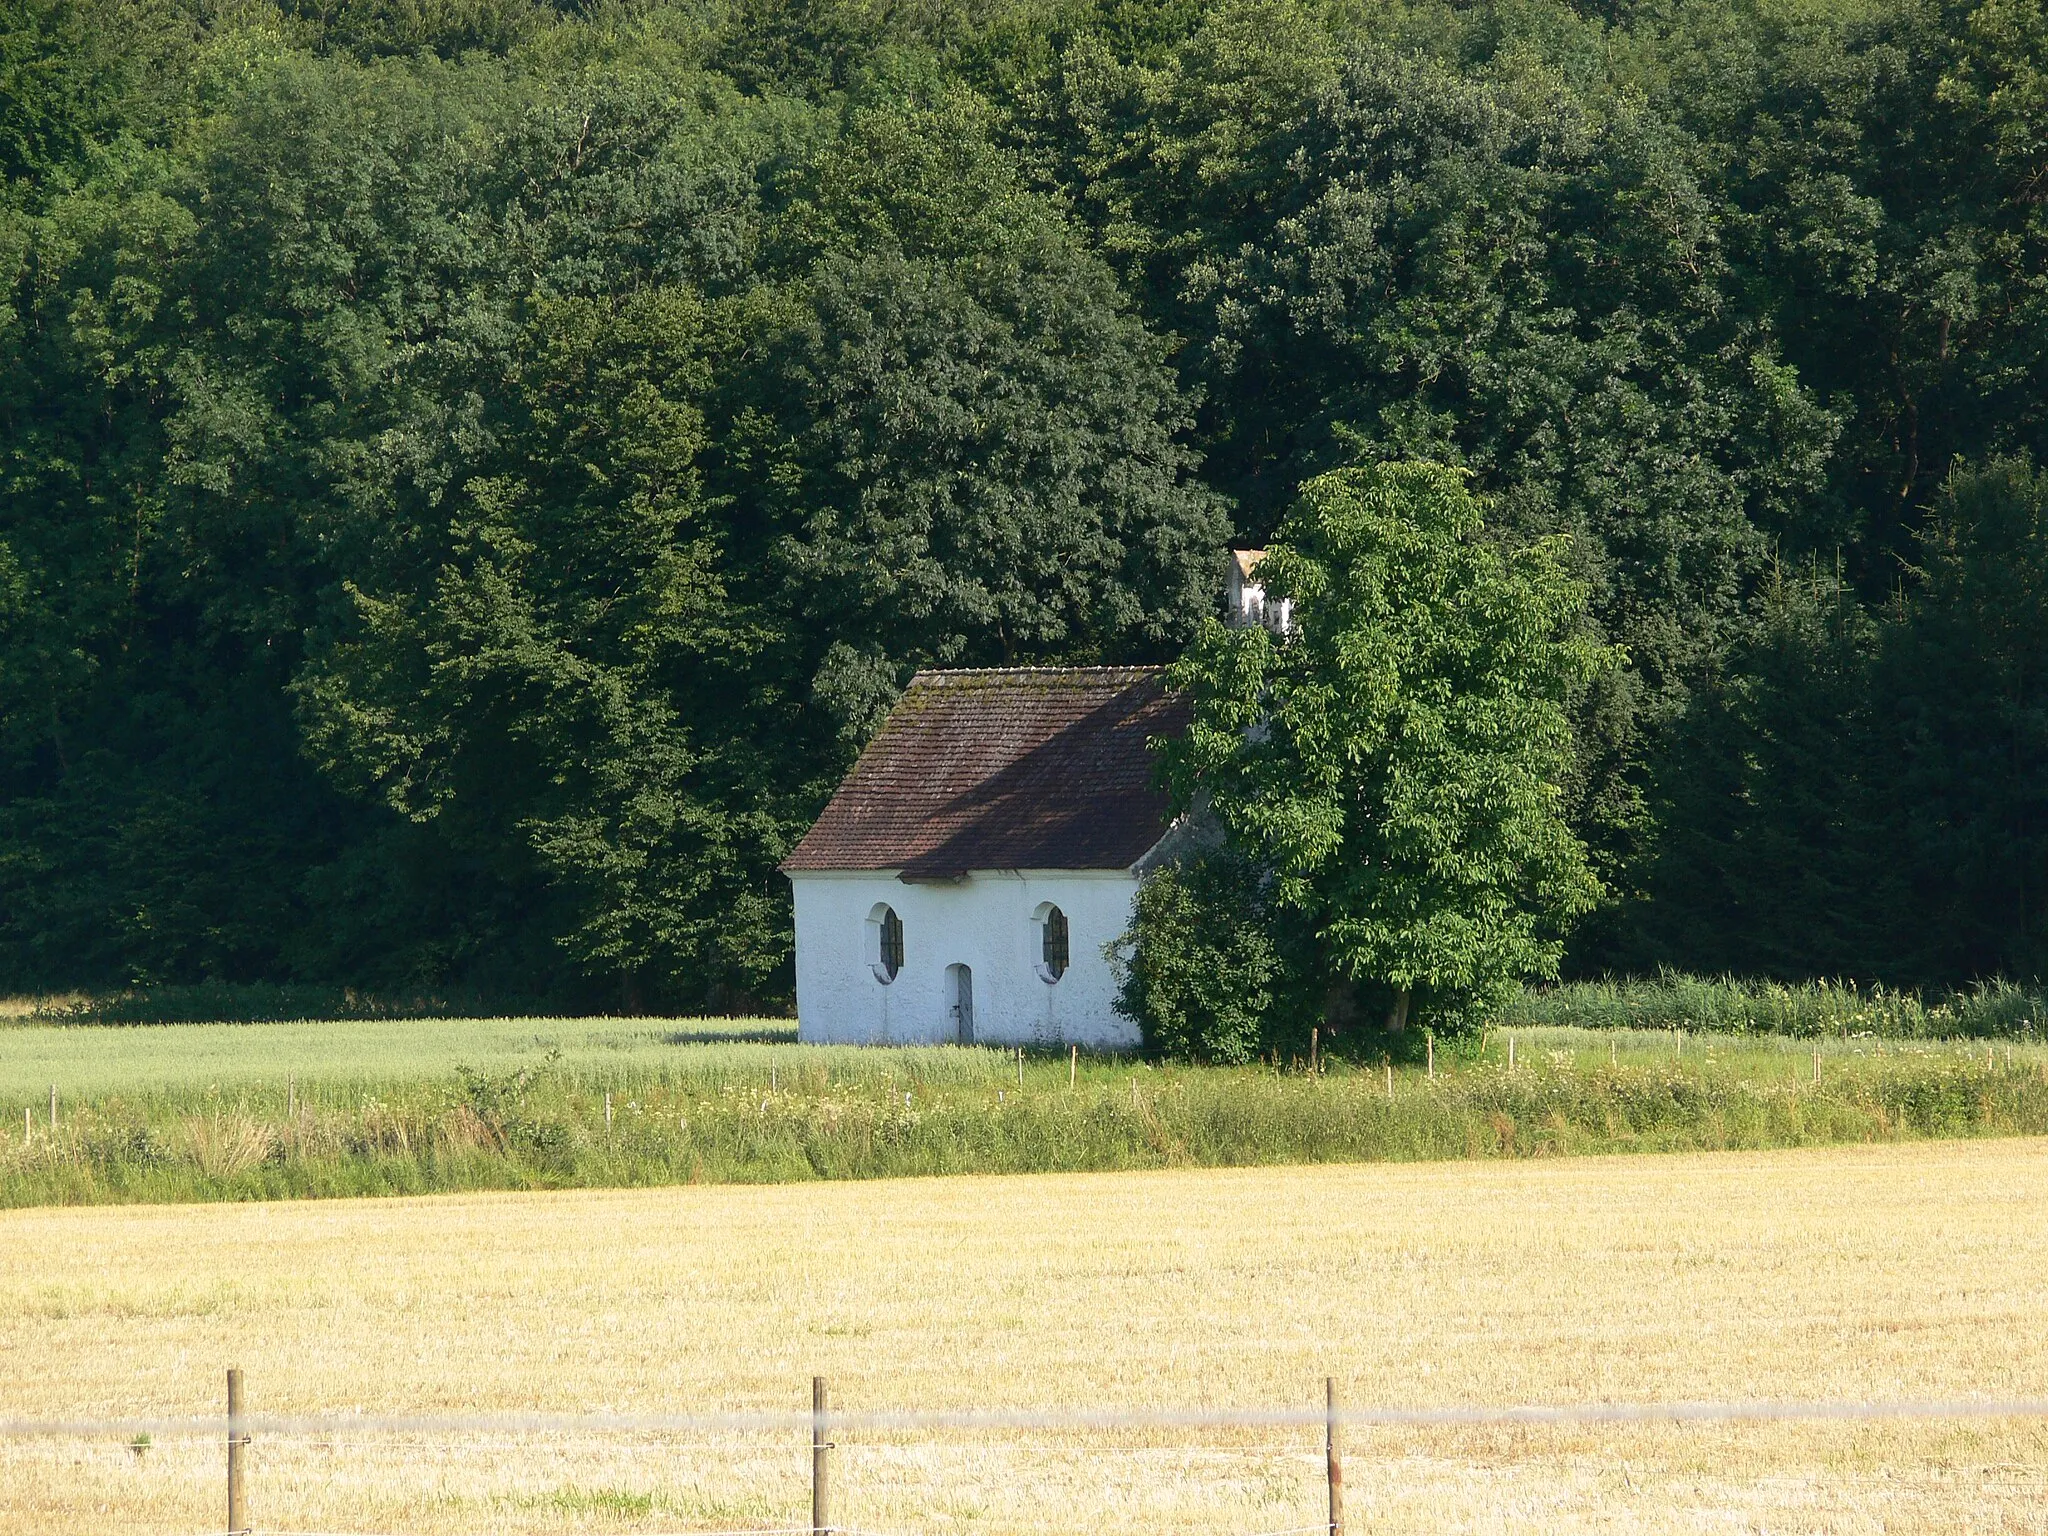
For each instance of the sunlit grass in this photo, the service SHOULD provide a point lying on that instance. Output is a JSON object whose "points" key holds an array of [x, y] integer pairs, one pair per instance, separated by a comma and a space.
{"points": [[170, 1113], [99, 1059]]}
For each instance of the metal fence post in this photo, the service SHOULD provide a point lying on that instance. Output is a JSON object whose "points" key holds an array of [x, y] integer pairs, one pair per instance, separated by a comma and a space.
{"points": [[821, 1458]]}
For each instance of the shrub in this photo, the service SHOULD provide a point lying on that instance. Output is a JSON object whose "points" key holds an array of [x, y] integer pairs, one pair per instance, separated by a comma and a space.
{"points": [[1730, 1005], [1199, 967]]}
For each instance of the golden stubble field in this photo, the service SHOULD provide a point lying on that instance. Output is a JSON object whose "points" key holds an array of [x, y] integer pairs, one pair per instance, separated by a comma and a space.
{"points": [[1898, 1272]]}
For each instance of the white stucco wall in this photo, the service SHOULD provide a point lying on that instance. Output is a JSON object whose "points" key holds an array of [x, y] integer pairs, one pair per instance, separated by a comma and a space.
{"points": [[1244, 603], [985, 923]]}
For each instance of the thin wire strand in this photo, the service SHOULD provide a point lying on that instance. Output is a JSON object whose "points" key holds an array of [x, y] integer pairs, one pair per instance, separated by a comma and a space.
{"points": [[905, 1420], [754, 1530], [393, 1442]]}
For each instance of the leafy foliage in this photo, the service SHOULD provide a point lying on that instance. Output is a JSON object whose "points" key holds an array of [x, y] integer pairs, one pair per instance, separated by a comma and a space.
{"points": [[1864, 792], [1397, 759], [1200, 964], [472, 472]]}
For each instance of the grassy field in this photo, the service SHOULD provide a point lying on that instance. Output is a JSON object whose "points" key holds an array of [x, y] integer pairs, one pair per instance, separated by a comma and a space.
{"points": [[173, 1058], [1884, 1272], [263, 1111]]}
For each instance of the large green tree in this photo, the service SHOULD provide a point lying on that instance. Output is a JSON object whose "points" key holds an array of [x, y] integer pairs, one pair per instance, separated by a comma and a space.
{"points": [[1397, 761], [1862, 792]]}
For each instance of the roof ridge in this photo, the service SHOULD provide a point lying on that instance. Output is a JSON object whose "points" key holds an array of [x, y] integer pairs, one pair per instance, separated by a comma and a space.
{"points": [[1136, 666]]}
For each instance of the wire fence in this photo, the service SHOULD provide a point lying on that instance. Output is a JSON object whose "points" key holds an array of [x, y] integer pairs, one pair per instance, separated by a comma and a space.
{"points": [[237, 1430], [890, 1420]]}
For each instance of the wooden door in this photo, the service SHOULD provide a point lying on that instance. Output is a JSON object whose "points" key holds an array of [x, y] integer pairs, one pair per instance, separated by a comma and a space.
{"points": [[960, 1003]]}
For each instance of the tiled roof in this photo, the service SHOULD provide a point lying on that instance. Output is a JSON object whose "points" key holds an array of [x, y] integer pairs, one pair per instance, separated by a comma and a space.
{"points": [[1019, 768]]}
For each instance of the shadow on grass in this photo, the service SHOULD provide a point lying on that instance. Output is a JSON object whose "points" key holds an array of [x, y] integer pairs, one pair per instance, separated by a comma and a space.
{"points": [[759, 1035]]}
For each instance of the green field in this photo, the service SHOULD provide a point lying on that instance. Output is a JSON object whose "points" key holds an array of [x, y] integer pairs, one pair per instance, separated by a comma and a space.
{"points": [[95, 1061], [257, 1111]]}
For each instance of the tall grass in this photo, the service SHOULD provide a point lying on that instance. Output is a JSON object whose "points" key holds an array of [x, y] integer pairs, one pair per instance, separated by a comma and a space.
{"points": [[1669, 1000], [750, 1113], [1804, 1010]]}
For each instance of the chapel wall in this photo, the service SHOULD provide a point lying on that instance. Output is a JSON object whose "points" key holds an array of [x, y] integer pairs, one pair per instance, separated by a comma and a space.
{"points": [[984, 922]]}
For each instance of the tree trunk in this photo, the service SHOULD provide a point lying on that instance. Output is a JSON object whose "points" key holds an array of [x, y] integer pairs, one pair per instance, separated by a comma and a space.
{"points": [[1397, 1016], [1340, 1004]]}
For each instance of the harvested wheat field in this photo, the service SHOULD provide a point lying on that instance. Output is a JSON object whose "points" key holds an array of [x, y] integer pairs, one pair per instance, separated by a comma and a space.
{"points": [[1898, 1272]]}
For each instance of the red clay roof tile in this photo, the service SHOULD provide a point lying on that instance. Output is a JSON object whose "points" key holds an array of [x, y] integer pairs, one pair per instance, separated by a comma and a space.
{"points": [[1017, 768]]}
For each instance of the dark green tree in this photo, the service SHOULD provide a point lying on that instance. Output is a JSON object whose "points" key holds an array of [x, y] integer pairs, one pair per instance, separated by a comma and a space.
{"points": [[1961, 690], [1773, 856]]}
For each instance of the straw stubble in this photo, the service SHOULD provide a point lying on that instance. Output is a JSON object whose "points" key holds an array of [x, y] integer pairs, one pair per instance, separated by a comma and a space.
{"points": [[1915, 1271]]}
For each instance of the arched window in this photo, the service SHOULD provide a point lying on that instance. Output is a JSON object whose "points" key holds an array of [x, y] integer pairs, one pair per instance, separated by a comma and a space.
{"points": [[885, 942], [1052, 942]]}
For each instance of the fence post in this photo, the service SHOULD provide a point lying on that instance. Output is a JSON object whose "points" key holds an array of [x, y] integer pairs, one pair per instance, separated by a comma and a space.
{"points": [[53, 1109], [821, 1459], [1315, 1041], [238, 1439], [1333, 1456], [1073, 1063]]}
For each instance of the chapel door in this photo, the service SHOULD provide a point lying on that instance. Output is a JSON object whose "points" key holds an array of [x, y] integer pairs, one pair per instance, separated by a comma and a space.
{"points": [[960, 1003]]}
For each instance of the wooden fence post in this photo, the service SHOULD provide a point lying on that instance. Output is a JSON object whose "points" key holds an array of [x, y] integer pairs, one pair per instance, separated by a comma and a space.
{"points": [[53, 1109], [1315, 1043], [238, 1439], [821, 1459], [1333, 1456], [1073, 1063]]}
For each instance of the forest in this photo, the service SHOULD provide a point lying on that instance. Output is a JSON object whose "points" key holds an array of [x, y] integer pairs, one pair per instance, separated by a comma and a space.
{"points": [[473, 473]]}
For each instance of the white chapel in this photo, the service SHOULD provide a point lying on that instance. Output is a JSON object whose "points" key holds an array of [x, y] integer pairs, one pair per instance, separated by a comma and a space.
{"points": [[965, 878]]}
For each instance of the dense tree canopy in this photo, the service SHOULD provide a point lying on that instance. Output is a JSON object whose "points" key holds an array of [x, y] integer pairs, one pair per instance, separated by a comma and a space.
{"points": [[472, 473], [1396, 760]]}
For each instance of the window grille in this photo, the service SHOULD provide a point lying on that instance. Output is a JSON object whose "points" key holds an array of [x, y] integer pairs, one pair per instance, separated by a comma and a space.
{"points": [[892, 943], [1053, 941]]}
